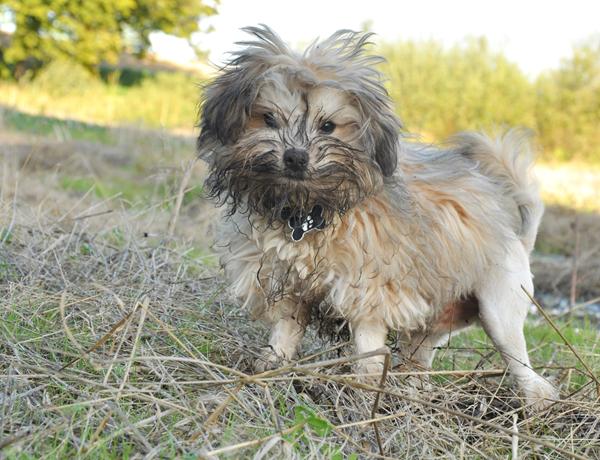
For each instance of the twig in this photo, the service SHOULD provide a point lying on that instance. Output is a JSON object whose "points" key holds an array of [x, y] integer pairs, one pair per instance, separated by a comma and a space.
{"points": [[181, 193], [254, 442], [371, 420], [94, 214], [99, 342], [507, 431], [128, 428], [66, 328], [144, 309], [573, 294], [386, 366], [325, 363], [515, 438], [564, 339], [213, 417], [276, 421]]}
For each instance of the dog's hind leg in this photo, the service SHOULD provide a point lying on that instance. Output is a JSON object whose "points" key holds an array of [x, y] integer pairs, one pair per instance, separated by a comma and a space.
{"points": [[286, 334], [502, 310], [418, 351], [420, 347]]}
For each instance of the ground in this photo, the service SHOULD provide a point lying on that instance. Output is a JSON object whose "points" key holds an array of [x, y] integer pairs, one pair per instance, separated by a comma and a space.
{"points": [[117, 338]]}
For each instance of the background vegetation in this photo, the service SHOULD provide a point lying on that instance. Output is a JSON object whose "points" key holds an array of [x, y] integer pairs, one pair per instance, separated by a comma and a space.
{"points": [[437, 90], [91, 32]]}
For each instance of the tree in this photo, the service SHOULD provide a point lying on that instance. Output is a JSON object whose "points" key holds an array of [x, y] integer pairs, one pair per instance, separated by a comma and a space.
{"points": [[439, 91], [92, 31], [568, 105]]}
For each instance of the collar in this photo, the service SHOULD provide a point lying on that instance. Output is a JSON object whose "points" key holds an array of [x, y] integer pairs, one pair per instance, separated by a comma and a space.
{"points": [[301, 223]]}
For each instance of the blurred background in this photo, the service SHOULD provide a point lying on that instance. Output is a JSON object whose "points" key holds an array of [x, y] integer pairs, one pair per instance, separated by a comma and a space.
{"points": [[451, 65], [117, 339], [103, 94]]}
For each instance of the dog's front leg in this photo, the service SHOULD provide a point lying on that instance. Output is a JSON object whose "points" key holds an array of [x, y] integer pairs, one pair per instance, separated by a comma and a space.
{"points": [[369, 334], [286, 334]]}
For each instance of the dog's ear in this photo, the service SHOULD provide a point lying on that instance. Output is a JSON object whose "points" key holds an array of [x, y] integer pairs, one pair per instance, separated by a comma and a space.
{"points": [[356, 72], [227, 104], [382, 129], [386, 143]]}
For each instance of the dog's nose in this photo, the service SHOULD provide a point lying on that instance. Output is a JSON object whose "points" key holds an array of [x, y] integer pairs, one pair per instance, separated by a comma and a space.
{"points": [[295, 159]]}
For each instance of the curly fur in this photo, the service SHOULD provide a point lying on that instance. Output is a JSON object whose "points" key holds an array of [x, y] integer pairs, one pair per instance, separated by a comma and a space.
{"points": [[420, 240]]}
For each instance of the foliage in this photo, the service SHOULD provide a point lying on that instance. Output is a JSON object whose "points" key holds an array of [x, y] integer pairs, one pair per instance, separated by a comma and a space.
{"points": [[94, 31], [568, 105], [62, 78], [439, 91], [64, 90]]}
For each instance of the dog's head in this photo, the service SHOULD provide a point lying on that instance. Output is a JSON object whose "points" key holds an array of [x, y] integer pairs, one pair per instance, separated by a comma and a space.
{"points": [[283, 130]]}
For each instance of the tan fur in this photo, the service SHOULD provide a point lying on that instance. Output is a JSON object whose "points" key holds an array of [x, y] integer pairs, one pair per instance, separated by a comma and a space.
{"points": [[377, 258], [418, 239]]}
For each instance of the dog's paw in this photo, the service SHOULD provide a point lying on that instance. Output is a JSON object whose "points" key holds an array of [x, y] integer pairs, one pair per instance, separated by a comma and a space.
{"points": [[539, 393], [368, 371], [418, 383], [267, 360]]}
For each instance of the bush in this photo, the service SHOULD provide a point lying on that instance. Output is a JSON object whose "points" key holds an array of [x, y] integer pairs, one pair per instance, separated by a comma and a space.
{"points": [[568, 106], [65, 90], [441, 91], [61, 78]]}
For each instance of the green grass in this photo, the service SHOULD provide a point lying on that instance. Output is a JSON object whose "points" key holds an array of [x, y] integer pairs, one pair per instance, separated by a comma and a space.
{"points": [[162, 100], [49, 126], [126, 189], [138, 192], [470, 349]]}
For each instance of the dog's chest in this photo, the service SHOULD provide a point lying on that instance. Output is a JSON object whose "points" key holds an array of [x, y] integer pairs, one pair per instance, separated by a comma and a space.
{"points": [[356, 263]]}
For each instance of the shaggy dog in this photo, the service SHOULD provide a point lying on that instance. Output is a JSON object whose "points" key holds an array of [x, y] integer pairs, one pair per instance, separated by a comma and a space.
{"points": [[328, 205]]}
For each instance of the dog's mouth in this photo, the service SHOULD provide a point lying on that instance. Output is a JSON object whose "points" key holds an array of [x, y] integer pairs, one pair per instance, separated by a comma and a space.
{"points": [[262, 186], [295, 175]]}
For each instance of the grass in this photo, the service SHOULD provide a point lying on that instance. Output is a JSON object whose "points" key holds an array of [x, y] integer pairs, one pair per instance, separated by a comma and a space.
{"points": [[44, 126], [163, 100], [573, 185], [152, 387], [117, 339]]}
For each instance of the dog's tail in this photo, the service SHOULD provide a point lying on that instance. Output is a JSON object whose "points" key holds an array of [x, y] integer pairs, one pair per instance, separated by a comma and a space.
{"points": [[508, 159]]}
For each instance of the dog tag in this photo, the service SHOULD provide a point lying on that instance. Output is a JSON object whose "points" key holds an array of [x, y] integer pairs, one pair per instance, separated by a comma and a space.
{"points": [[301, 224]]}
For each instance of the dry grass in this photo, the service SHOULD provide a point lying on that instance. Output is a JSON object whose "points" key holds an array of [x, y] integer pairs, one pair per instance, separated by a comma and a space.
{"points": [[572, 194], [117, 340], [572, 185]]}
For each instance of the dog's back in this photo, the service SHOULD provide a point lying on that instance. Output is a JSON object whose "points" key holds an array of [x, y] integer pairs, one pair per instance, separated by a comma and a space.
{"points": [[477, 168]]}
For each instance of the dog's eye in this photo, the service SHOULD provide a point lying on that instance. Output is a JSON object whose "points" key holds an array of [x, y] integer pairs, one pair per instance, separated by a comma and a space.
{"points": [[270, 120], [328, 127]]}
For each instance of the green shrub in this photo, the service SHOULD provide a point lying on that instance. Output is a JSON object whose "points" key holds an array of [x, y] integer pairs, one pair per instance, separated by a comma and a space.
{"points": [[62, 78], [568, 106], [163, 99], [440, 91]]}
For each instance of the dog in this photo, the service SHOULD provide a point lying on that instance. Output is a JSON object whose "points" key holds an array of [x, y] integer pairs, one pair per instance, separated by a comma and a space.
{"points": [[329, 204]]}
